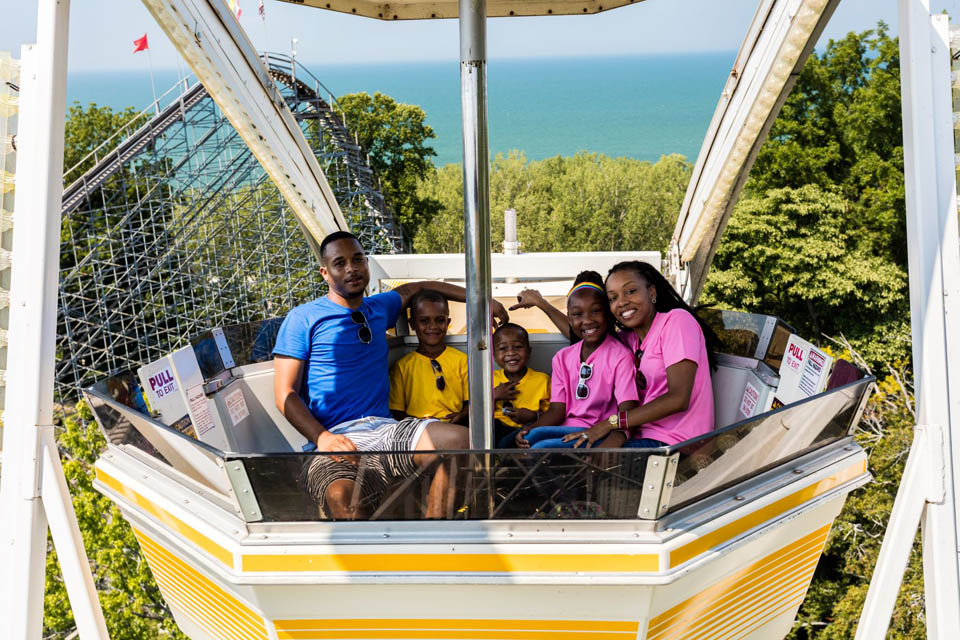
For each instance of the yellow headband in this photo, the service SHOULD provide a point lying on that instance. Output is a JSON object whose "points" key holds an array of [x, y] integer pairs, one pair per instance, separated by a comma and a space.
{"points": [[587, 284]]}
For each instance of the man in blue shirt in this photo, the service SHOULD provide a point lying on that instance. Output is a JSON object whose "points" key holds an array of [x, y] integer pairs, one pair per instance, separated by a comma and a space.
{"points": [[331, 383]]}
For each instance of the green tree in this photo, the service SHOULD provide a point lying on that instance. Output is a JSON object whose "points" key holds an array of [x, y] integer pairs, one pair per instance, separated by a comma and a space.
{"points": [[131, 602], [841, 129], [396, 136], [797, 253], [86, 129], [587, 202]]}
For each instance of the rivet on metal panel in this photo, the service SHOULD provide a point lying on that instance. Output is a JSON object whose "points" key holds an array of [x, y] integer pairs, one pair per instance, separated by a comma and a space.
{"points": [[386, 535], [738, 498], [669, 484], [798, 471], [646, 510], [656, 463]]}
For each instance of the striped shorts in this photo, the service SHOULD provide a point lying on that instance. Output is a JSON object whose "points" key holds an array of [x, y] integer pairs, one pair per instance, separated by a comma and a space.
{"points": [[393, 441]]}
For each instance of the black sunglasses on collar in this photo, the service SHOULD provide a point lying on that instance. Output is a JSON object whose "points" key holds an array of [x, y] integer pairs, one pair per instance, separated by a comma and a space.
{"points": [[363, 332]]}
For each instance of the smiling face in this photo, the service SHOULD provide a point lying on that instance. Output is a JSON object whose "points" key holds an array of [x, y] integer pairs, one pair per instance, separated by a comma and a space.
{"points": [[511, 350], [631, 298], [344, 267], [586, 312], [430, 322]]}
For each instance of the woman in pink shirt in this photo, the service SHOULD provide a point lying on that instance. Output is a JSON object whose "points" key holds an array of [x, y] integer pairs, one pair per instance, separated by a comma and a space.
{"points": [[592, 379], [673, 354]]}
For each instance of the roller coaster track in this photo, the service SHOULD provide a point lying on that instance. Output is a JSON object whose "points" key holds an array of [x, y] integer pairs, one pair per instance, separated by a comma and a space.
{"points": [[172, 225], [282, 71]]}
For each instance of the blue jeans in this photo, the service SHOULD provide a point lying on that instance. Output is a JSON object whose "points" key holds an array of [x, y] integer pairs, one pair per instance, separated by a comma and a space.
{"points": [[552, 437], [644, 443]]}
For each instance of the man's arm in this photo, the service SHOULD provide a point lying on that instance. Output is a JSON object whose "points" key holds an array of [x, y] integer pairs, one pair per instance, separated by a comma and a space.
{"points": [[450, 292], [286, 394]]}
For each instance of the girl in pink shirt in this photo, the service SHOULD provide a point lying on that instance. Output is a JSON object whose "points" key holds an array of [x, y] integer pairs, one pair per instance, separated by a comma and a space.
{"points": [[592, 379], [673, 355]]}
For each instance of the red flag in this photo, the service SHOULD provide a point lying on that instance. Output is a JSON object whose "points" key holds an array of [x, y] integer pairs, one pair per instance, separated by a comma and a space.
{"points": [[140, 44]]}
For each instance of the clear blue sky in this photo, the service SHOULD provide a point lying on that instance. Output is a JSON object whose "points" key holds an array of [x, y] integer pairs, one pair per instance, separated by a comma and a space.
{"points": [[102, 32]]}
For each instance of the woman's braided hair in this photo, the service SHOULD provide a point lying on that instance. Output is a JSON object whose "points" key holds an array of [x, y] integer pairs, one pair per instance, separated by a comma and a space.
{"points": [[667, 299]]}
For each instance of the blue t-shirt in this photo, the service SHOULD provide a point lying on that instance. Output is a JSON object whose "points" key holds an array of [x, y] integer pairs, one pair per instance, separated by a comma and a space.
{"points": [[345, 379]]}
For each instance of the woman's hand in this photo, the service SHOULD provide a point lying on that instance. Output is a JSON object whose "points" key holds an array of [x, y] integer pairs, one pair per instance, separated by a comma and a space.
{"points": [[529, 298], [589, 437]]}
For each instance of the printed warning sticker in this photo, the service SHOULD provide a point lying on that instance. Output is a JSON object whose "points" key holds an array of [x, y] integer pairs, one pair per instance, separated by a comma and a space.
{"points": [[751, 395], [199, 409], [812, 372], [236, 406]]}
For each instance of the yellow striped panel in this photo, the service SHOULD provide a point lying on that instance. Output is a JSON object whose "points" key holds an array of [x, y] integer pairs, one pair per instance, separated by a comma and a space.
{"points": [[454, 562], [722, 534], [746, 600], [214, 610], [167, 518], [440, 628]]}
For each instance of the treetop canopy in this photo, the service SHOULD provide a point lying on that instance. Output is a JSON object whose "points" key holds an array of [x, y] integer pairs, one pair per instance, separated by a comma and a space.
{"points": [[433, 9]]}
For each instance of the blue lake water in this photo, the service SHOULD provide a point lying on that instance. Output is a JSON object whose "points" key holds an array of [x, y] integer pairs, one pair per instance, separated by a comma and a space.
{"points": [[635, 106]]}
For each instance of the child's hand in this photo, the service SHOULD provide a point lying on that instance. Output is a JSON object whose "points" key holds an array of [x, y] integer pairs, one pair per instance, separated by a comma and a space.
{"points": [[505, 391], [528, 298], [459, 417], [521, 439], [521, 416]]}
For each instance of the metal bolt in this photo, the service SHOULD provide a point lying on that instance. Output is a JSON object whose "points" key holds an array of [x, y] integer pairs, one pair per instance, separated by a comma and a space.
{"points": [[636, 535], [669, 484], [739, 498], [651, 487], [646, 510], [798, 471], [386, 535], [656, 463]]}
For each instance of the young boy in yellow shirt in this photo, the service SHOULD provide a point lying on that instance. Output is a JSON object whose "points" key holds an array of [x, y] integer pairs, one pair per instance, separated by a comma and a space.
{"points": [[520, 394], [430, 382]]}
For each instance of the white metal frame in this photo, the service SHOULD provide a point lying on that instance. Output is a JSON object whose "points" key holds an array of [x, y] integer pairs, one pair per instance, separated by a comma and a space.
{"points": [[34, 493], [929, 488], [780, 39]]}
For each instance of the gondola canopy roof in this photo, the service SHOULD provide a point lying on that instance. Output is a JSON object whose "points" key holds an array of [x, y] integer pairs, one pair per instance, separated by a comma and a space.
{"points": [[432, 9]]}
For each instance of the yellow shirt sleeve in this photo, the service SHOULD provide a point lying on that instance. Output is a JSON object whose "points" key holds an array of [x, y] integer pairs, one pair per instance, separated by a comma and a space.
{"points": [[397, 401]]}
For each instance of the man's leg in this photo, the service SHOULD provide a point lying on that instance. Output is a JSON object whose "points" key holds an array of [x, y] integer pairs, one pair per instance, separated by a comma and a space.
{"points": [[340, 502], [439, 436]]}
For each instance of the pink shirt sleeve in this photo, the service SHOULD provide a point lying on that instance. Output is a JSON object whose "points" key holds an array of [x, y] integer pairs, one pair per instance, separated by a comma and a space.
{"points": [[681, 339], [625, 379], [558, 383]]}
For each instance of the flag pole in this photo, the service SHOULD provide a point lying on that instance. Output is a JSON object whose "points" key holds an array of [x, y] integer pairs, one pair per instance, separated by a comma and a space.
{"points": [[153, 84]]}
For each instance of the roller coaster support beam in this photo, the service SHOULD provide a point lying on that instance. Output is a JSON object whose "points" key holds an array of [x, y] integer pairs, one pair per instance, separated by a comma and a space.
{"points": [[778, 43], [208, 36], [34, 493], [927, 496], [476, 213]]}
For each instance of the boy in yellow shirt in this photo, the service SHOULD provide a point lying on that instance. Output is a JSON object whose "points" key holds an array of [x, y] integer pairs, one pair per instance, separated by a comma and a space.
{"points": [[430, 382], [520, 394]]}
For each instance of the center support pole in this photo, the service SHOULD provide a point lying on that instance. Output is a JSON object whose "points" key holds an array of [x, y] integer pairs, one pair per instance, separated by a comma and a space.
{"points": [[476, 217]]}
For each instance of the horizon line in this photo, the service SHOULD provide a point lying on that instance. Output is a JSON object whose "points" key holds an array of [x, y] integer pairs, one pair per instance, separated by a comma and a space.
{"points": [[637, 54]]}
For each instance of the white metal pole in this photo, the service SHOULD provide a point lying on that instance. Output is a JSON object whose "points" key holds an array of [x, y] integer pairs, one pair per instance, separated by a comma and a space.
{"points": [[933, 251], [33, 331], [476, 214]]}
